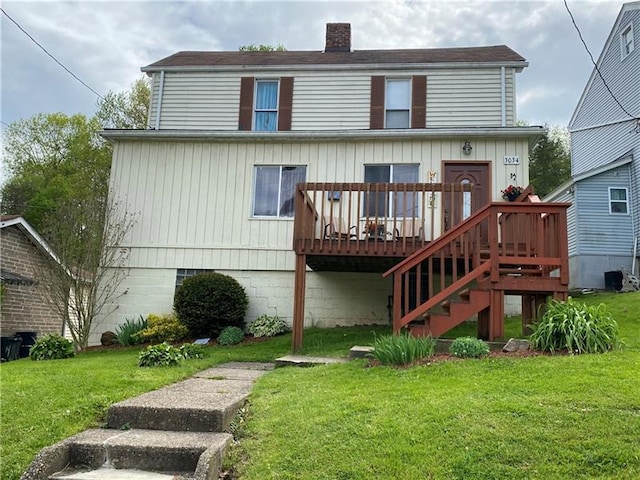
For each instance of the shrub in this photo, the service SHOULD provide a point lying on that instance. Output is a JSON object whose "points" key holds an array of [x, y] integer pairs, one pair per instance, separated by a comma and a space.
{"points": [[231, 336], [161, 355], [267, 326], [576, 327], [402, 349], [162, 328], [192, 350], [128, 332], [468, 347], [208, 302], [52, 347]]}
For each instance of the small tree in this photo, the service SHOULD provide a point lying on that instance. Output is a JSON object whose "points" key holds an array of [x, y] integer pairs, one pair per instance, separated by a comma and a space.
{"points": [[87, 265], [550, 161]]}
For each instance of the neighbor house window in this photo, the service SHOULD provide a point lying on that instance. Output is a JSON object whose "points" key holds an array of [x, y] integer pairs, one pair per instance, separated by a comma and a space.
{"points": [[378, 204], [397, 103], [275, 188], [266, 106], [618, 200], [626, 41]]}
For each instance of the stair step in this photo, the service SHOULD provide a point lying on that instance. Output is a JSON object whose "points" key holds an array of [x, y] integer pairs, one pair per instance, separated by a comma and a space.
{"points": [[147, 450], [194, 405], [112, 474]]}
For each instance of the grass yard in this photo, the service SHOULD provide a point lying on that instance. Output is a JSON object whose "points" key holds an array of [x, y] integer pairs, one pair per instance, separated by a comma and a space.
{"points": [[540, 417]]}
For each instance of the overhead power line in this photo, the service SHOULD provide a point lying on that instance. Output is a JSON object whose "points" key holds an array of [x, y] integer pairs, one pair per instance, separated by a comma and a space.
{"points": [[573, 20], [51, 55]]}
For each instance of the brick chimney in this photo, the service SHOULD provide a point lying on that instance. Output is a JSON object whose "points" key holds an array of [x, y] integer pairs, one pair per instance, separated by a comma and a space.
{"points": [[338, 37]]}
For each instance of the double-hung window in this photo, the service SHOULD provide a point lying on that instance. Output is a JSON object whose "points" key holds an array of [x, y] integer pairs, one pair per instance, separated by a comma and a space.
{"points": [[379, 204], [627, 43], [397, 103], [275, 188], [618, 200], [266, 105]]}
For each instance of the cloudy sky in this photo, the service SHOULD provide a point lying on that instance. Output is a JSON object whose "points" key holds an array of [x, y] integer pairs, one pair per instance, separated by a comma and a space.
{"points": [[106, 43]]}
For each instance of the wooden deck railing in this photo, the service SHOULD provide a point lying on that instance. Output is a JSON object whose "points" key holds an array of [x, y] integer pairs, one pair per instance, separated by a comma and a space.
{"points": [[373, 218], [526, 243]]}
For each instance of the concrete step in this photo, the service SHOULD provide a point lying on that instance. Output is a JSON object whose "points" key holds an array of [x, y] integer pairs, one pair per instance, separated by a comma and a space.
{"points": [[305, 361], [146, 450], [112, 474], [196, 405]]}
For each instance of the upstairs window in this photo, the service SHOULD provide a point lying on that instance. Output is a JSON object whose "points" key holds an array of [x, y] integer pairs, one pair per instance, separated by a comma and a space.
{"points": [[618, 201], [397, 103], [266, 107], [275, 188], [626, 41]]}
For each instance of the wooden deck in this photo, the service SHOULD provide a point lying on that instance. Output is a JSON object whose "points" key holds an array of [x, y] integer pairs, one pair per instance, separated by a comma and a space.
{"points": [[402, 230]]}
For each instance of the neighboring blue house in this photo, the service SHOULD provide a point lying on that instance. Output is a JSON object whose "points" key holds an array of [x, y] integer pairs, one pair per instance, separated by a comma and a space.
{"points": [[604, 220]]}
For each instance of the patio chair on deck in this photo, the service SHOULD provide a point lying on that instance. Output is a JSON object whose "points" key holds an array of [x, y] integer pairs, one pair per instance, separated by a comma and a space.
{"points": [[336, 228], [409, 229]]}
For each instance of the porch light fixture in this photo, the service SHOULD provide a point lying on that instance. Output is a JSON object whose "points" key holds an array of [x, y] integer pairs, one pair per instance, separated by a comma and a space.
{"points": [[466, 148]]}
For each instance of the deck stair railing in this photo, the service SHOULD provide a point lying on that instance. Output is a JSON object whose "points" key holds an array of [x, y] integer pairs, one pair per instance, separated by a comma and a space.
{"points": [[506, 247]]}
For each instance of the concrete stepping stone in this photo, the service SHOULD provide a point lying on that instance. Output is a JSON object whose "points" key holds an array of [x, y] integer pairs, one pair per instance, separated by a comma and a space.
{"points": [[306, 361]]}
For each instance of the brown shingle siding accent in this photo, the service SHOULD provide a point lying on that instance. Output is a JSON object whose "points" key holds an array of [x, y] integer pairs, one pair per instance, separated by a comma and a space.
{"points": [[245, 116], [419, 101], [376, 119], [492, 54], [285, 103]]}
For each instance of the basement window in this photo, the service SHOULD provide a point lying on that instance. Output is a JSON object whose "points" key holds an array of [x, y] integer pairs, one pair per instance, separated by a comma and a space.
{"points": [[182, 273]]}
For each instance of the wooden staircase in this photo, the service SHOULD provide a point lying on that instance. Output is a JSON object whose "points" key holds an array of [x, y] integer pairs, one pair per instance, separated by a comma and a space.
{"points": [[464, 273]]}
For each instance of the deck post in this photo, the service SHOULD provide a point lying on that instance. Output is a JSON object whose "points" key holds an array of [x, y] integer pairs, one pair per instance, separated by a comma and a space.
{"points": [[528, 313], [298, 302], [496, 322]]}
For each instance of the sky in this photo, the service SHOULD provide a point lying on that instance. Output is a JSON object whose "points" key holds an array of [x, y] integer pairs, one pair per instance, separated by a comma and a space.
{"points": [[106, 43]]}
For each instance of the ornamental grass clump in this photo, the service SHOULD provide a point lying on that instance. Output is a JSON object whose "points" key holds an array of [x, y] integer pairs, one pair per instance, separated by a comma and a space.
{"points": [[127, 332], [575, 327], [468, 347], [402, 349]]}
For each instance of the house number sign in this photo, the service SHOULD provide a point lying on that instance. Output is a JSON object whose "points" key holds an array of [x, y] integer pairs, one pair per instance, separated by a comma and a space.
{"points": [[511, 160]]}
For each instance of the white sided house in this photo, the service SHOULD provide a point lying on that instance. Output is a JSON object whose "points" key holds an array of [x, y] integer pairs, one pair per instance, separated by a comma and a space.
{"points": [[604, 219], [238, 140]]}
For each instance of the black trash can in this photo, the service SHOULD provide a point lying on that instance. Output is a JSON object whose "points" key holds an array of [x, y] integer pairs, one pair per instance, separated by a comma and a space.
{"points": [[10, 348], [28, 341], [613, 280]]}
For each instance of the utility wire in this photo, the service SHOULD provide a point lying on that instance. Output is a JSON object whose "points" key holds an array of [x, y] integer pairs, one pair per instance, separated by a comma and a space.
{"points": [[54, 58], [573, 20]]}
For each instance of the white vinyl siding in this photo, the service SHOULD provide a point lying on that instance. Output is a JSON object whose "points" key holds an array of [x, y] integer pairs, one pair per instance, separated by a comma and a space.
{"points": [[334, 99], [195, 198]]}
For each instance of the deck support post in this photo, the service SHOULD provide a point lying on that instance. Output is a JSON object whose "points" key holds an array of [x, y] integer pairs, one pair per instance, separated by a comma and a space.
{"points": [[528, 313], [298, 302], [484, 317], [496, 322]]}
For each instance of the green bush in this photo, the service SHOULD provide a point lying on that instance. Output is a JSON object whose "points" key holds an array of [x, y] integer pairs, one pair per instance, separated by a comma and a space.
{"points": [[161, 355], [468, 347], [575, 327], [162, 328], [52, 347], [402, 349], [231, 336], [192, 350], [128, 332], [208, 302], [267, 326]]}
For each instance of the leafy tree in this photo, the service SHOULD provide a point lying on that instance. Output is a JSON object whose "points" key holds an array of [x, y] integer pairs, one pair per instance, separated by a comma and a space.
{"points": [[53, 159], [262, 48], [126, 109], [550, 161]]}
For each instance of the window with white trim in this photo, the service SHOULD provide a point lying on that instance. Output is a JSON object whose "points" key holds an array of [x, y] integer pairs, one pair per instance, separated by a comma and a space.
{"points": [[274, 189], [397, 103], [265, 116], [627, 43], [402, 204], [618, 201]]}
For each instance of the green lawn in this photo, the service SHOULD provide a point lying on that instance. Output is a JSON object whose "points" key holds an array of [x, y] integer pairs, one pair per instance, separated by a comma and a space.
{"points": [[541, 417]]}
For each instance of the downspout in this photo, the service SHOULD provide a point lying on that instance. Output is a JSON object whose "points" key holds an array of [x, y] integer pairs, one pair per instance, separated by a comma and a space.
{"points": [[159, 104], [503, 95]]}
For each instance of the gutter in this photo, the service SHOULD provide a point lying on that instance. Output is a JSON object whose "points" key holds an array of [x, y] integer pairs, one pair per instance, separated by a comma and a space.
{"points": [[308, 135]]}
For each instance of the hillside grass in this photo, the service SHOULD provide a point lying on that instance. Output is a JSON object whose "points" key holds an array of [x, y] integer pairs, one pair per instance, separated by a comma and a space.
{"points": [[545, 416]]}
